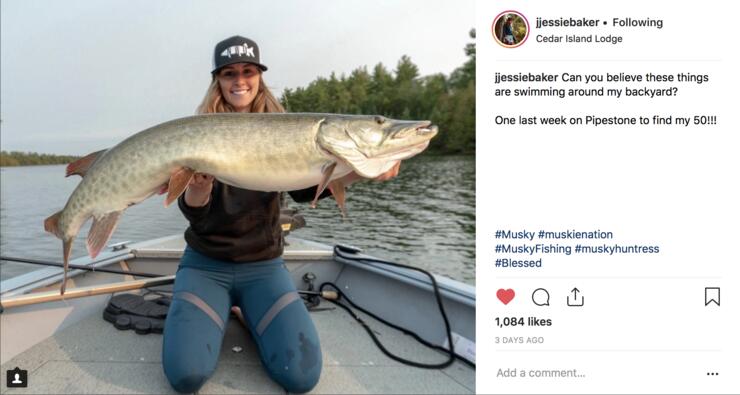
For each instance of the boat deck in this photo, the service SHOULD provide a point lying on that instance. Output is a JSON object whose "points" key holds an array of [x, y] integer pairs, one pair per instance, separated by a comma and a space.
{"points": [[91, 356]]}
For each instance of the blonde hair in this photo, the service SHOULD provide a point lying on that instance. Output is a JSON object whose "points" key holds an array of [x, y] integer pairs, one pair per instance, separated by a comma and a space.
{"points": [[214, 100]]}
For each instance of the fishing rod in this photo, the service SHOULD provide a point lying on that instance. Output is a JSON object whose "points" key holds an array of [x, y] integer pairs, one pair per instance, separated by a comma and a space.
{"points": [[154, 280], [53, 296], [78, 267], [323, 294]]}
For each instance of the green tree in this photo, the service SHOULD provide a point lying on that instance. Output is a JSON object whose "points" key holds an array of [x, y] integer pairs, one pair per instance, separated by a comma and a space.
{"points": [[403, 93], [405, 101], [460, 78], [358, 85], [338, 94], [17, 158], [381, 90]]}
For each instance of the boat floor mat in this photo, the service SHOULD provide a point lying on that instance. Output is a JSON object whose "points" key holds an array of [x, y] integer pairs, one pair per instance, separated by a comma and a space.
{"points": [[132, 311]]}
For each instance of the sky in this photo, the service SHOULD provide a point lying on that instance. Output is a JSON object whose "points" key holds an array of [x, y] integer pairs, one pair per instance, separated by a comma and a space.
{"points": [[79, 76]]}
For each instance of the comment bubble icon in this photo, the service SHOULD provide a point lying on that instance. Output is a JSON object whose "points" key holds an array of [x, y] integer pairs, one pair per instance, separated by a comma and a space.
{"points": [[541, 297]]}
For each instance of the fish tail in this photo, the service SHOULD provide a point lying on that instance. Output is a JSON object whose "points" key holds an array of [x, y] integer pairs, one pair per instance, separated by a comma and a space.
{"points": [[51, 224], [66, 249]]}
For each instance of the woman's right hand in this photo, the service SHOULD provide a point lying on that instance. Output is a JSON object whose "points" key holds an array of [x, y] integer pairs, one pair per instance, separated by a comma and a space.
{"points": [[199, 190]]}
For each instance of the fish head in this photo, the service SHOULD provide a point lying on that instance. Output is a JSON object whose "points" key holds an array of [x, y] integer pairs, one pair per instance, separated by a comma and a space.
{"points": [[371, 145]]}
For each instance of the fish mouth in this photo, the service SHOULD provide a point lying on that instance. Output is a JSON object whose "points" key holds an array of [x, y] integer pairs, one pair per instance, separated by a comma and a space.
{"points": [[423, 129], [426, 127]]}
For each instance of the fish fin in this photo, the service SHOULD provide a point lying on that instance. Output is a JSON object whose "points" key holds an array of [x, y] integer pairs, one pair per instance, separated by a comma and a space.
{"points": [[327, 172], [51, 224], [163, 189], [351, 178], [80, 166], [100, 232], [372, 168], [66, 249], [361, 164], [179, 181], [389, 166], [338, 190]]}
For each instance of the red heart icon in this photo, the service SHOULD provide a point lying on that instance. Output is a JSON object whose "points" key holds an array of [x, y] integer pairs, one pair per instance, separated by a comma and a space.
{"points": [[505, 295]]}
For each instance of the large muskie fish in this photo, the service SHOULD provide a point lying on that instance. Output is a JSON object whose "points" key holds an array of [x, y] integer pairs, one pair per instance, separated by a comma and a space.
{"points": [[263, 152]]}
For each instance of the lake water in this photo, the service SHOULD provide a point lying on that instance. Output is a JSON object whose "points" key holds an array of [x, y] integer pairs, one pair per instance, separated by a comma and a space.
{"points": [[425, 217]]}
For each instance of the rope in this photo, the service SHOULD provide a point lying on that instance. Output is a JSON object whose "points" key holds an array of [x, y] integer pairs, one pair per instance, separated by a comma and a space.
{"points": [[450, 352]]}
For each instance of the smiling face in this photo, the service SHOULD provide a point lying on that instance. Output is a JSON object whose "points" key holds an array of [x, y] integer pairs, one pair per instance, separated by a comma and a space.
{"points": [[239, 84]]}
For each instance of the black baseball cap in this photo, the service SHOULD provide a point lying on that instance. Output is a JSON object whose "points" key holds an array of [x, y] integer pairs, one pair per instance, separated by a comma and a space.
{"points": [[236, 49]]}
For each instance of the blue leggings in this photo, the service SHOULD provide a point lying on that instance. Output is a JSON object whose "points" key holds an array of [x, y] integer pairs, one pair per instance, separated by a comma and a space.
{"points": [[204, 291]]}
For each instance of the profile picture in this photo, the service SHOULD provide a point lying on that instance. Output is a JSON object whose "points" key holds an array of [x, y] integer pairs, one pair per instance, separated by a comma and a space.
{"points": [[510, 29]]}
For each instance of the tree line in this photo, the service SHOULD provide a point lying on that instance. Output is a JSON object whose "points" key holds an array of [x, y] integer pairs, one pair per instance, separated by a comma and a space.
{"points": [[17, 158], [448, 101]]}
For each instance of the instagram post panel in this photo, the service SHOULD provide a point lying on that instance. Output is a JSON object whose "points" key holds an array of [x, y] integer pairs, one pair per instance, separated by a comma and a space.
{"points": [[388, 197]]}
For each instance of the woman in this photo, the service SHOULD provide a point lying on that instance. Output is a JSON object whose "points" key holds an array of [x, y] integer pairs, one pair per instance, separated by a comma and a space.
{"points": [[233, 256], [508, 37]]}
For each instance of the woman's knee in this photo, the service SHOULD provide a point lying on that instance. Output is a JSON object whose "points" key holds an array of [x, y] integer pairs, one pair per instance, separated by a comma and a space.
{"points": [[186, 368], [185, 381], [297, 380], [189, 364], [184, 375], [297, 367]]}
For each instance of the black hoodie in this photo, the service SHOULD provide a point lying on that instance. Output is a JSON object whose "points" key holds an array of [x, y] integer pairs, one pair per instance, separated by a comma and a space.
{"points": [[239, 225]]}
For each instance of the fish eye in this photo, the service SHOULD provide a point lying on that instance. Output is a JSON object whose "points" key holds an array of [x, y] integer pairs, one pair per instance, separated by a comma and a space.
{"points": [[379, 120]]}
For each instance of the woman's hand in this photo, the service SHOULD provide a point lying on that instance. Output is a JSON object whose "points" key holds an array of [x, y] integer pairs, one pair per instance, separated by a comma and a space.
{"points": [[199, 190]]}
